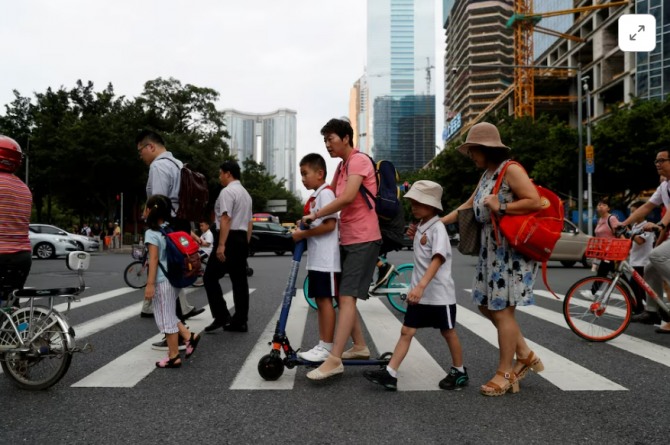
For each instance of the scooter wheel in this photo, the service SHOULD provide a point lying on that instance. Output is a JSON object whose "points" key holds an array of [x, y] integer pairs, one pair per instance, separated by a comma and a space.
{"points": [[250, 272], [386, 356], [270, 367]]}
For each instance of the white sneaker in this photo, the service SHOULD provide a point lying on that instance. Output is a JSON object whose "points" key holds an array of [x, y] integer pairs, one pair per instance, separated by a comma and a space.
{"points": [[317, 354]]}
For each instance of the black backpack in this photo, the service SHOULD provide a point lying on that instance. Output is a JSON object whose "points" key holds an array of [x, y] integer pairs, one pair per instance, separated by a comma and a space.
{"points": [[193, 194], [387, 200]]}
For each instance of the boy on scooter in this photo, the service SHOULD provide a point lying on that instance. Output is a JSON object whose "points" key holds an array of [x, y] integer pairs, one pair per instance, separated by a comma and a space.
{"points": [[323, 261], [432, 298]]}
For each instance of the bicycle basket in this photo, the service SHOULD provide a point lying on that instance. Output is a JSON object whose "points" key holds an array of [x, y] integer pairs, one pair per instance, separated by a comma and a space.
{"points": [[138, 251], [613, 249]]}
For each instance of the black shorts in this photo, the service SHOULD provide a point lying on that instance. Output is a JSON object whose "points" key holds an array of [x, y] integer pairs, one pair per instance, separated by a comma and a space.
{"points": [[428, 316], [323, 284]]}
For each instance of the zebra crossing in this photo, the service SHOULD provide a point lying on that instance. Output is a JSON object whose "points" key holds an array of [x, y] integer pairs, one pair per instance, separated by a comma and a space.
{"points": [[420, 370]]}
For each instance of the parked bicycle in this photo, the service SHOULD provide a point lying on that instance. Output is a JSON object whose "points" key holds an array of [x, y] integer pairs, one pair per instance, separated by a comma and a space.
{"points": [[600, 308], [36, 341], [395, 288]]}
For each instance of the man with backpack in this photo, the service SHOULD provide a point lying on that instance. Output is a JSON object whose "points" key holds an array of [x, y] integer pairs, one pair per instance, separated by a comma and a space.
{"points": [[164, 179]]}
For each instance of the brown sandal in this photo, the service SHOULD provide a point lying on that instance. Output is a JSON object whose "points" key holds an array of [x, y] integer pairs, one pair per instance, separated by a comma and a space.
{"points": [[530, 363], [493, 389]]}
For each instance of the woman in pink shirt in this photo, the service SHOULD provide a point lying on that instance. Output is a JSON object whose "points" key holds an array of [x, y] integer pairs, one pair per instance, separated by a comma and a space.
{"points": [[605, 229], [360, 240]]}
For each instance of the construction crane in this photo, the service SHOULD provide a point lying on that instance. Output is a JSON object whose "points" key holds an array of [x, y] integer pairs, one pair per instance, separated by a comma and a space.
{"points": [[428, 67], [524, 21]]}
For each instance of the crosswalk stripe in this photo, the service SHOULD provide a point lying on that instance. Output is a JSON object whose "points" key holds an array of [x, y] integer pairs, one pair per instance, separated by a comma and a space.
{"points": [[617, 311], [634, 345], [97, 298], [248, 377], [561, 372], [130, 368], [419, 371]]}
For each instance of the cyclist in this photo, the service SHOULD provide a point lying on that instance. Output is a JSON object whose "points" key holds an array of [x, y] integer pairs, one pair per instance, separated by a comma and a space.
{"points": [[15, 205], [658, 268]]}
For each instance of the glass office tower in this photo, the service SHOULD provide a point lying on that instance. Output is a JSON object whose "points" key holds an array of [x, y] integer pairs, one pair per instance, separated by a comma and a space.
{"points": [[400, 64], [653, 68]]}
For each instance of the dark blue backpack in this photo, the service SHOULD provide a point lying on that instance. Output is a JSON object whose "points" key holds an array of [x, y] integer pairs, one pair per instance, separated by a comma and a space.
{"points": [[183, 259]]}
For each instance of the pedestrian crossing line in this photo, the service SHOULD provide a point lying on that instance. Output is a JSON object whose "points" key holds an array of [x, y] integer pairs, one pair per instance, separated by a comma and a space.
{"points": [[97, 298], [248, 377], [419, 370], [628, 343], [559, 371], [619, 312], [130, 368]]}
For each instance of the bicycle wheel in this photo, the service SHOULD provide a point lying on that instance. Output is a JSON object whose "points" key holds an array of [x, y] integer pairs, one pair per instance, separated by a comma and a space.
{"points": [[135, 275], [400, 279], [47, 357], [311, 301], [594, 314]]}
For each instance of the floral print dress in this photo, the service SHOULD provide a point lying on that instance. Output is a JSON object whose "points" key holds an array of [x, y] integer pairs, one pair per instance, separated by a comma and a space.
{"points": [[503, 276]]}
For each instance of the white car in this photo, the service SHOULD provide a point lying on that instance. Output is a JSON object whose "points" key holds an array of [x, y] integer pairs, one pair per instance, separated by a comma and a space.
{"points": [[48, 245], [82, 242]]}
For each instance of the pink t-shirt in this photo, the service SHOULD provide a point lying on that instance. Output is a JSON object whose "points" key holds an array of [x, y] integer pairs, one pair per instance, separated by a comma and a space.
{"points": [[358, 222], [603, 229]]}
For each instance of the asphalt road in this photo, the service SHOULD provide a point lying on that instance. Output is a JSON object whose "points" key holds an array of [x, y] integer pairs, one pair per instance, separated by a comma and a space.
{"points": [[589, 393]]}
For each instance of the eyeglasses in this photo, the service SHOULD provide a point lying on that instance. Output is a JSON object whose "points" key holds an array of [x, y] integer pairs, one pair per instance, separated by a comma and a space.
{"points": [[139, 150], [660, 160]]}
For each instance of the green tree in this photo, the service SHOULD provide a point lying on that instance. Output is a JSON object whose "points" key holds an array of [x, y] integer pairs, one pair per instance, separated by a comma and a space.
{"points": [[263, 187]]}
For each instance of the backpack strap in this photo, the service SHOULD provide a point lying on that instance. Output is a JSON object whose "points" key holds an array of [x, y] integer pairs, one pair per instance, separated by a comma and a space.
{"points": [[364, 191], [164, 231], [496, 189]]}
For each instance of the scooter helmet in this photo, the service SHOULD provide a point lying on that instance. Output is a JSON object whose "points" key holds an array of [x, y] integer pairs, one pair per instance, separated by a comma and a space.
{"points": [[10, 154]]}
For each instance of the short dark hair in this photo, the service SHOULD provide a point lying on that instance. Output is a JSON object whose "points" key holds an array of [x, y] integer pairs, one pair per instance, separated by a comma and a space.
{"points": [[340, 127], [149, 136], [231, 167], [314, 161], [604, 200], [160, 208]]}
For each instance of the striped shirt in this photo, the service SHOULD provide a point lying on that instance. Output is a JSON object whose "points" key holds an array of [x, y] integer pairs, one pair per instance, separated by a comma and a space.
{"points": [[15, 205]]}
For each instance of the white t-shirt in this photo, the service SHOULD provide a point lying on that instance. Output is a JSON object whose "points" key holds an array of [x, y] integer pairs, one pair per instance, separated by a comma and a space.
{"points": [[208, 238], [661, 196], [431, 239], [323, 250], [639, 253]]}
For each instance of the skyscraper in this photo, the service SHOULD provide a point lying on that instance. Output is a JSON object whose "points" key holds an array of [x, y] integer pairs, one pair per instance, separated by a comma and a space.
{"points": [[653, 68], [268, 138], [401, 48]]}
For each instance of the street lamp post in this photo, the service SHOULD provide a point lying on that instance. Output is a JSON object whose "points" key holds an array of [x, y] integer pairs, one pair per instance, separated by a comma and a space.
{"points": [[589, 155]]}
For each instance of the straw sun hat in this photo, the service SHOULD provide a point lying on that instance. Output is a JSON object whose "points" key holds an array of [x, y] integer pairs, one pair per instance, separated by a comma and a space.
{"points": [[484, 134], [426, 192]]}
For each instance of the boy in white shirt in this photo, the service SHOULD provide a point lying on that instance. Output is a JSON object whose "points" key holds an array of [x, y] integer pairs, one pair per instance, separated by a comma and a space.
{"points": [[323, 260], [206, 238], [432, 298]]}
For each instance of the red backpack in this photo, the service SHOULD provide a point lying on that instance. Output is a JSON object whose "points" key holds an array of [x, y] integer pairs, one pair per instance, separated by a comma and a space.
{"points": [[534, 234]]}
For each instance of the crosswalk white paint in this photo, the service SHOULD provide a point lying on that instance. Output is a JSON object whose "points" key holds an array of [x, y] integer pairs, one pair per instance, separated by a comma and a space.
{"points": [[130, 368], [418, 372], [563, 373], [248, 377]]}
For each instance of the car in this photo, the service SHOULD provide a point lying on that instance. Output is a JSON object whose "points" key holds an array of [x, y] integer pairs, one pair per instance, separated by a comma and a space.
{"points": [[571, 246], [270, 237], [82, 242], [49, 245]]}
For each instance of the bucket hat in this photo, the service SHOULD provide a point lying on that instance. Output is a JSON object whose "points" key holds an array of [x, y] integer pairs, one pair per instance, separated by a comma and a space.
{"points": [[426, 192], [485, 134]]}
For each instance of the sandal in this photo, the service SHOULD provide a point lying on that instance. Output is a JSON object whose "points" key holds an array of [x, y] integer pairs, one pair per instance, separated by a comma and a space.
{"points": [[169, 362], [493, 389], [530, 363], [191, 344]]}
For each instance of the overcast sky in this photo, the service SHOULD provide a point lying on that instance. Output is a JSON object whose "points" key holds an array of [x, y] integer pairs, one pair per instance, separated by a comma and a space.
{"points": [[260, 55]]}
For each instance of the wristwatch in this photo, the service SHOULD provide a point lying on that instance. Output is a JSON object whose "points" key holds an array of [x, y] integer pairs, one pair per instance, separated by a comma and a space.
{"points": [[503, 208]]}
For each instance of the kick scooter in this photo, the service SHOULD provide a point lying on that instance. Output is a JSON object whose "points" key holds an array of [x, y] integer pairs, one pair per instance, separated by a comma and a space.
{"points": [[271, 366]]}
